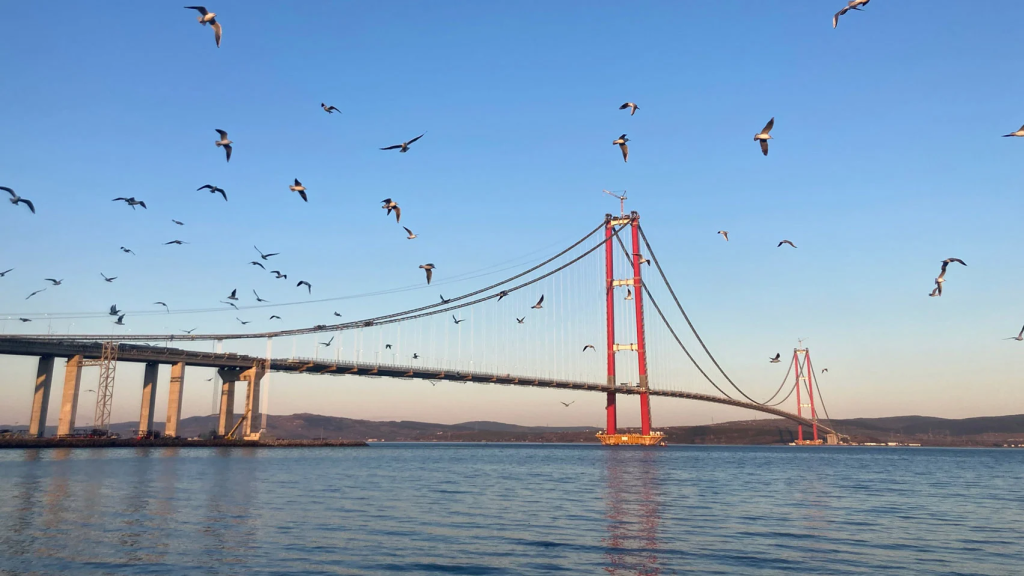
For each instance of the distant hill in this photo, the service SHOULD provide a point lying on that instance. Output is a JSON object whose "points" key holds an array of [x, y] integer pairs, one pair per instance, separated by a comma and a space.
{"points": [[925, 430]]}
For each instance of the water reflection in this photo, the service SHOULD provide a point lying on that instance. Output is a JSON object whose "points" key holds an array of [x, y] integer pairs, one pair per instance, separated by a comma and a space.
{"points": [[633, 510]]}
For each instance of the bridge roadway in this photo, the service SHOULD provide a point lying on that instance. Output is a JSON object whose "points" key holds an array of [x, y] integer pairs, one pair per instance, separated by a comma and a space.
{"points": [[239, 364]]}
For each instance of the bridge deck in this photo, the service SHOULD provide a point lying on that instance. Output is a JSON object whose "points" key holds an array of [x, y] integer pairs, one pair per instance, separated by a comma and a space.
{"points": [[227, 360]]}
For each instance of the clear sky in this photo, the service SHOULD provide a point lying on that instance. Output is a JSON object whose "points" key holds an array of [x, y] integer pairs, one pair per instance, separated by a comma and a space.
{"points": [[887, 159]]}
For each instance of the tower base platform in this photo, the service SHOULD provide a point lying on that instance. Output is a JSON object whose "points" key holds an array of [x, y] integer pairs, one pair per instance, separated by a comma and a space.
{"points": [[654, 439]]}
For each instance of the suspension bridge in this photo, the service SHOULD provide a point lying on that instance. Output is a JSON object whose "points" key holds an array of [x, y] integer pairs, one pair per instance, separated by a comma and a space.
{"points": [[535, 328]]}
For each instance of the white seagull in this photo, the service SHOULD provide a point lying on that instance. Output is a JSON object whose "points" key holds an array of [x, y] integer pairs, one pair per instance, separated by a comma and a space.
{"points": [[763, 136], [298, 187], [225, 143], [725, 234], [429, 268], [207, 17], [851, 5], [15, 199]]}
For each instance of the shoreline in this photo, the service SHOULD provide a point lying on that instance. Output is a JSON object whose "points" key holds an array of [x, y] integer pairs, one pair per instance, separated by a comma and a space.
{"points": [[22, 443]]}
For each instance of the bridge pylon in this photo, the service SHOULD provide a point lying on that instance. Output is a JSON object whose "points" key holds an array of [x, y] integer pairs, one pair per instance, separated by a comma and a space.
{"points": [[805, 381], [635, 285]]}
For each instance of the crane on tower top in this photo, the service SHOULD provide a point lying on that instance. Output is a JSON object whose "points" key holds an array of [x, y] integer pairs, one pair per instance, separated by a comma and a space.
{"points": [[622, 201]]}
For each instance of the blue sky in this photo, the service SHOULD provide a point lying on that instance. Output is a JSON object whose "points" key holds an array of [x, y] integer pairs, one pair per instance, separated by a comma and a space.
{"points": [[887, 159]]}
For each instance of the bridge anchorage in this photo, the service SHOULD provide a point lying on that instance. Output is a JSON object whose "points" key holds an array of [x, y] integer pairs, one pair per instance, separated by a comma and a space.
{"points": [[513, 337]]}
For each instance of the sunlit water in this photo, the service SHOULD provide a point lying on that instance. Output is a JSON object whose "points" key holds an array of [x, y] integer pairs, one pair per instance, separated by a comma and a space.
{"points": [[511, 509]]}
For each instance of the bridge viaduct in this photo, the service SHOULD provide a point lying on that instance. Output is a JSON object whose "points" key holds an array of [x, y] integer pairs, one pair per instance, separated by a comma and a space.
{"points": [[233, 368]]}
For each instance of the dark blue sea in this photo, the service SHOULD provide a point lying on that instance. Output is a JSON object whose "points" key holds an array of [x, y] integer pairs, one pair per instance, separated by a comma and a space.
{"points": [[512, 509]]}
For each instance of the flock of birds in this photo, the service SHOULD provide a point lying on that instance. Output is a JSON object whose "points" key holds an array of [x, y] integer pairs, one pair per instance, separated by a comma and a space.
{"points": [[210, 18]]}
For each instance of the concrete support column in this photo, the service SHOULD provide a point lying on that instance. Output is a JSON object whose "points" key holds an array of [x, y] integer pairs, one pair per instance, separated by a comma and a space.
{"points": [[227, 407], [175, 390], [148, 397], [253, 418], [41, 398], [69, 401]]}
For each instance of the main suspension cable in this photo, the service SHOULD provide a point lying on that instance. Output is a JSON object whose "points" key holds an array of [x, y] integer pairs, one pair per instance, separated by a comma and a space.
{"points": [[413, 314], [687, 318], [672, 330], [818, 388]]}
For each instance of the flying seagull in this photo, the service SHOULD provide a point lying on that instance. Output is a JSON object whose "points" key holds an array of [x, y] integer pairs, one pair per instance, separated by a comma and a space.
{"points": [[178, 242], [234, 294], [538, 306], [111, 279], [430, 270], [298, 187], [946, 263], [15, 199], [258, 299], [213, 189], [589, 346], [4, 273], [786, 242], [567, 405], [390, 205], [725, 234], [823, 370], [127, 251], [265, 256], [443, 300], [190, 331], [775, 360], [1018, 338], [255, 263], [244, 322], [164, 305], [34, 293], [621, 141], [633, 107], [502, 294], [851, 5], [415, 356], [387, 346], [275, 317], [763, 136], [404, 145], [120, 320], [179, 223], [457, 322], [24, 319], [409, 232], [131, 201], [629, 294], [338, 315], [329, 109], [232, 304], [328, 343], [210, 18], [225, 143], [113, 310], [54, 282], [521, 320], [279, 275], [309, 287], [1018, 133]]}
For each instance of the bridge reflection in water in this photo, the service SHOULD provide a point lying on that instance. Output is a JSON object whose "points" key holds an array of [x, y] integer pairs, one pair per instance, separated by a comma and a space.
{"points": [[633, 511]]}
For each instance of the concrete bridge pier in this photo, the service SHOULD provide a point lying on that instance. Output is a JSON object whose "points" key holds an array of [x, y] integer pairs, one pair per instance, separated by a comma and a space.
{"points": [[69, 401], [148, 397], [41, 397], [253, 415], [227, 401], [176, 388]]}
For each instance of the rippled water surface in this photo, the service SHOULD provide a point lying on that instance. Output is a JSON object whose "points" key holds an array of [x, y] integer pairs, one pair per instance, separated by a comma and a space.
{"points": [[511, 509]]}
